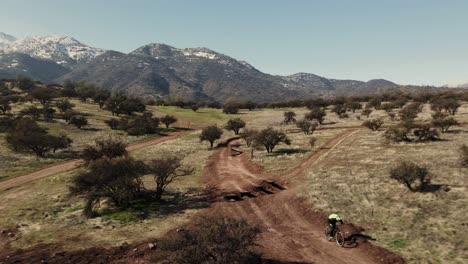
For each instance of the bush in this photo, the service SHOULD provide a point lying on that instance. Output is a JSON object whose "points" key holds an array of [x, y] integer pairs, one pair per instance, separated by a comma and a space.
{"points": [[48, 113], [373, 124], [397, 134], [316, 114], [289, 117], [464, 155], [108, 148], [441, 121], [211, 134], [235, 125], [78, 120], [425, 132], [339, 109], [270, 137], [112, 123], [140, 125], [168, 120], [312, 142], [306, 126], [115, 179], [64, 105], [31, 111], [231, 108], [249, 136], [450, 105], [210, 241], [353, 105], [414, 177], [165, 171], [43, 95], [27, 136], [24, 83], [367, 112]]}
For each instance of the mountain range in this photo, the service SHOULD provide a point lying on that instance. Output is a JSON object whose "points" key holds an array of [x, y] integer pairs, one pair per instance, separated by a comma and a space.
{"points": [[159, 70]]}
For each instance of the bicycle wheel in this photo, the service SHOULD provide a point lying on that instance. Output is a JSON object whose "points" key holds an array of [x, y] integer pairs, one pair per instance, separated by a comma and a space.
{"points": [[339, 239]]}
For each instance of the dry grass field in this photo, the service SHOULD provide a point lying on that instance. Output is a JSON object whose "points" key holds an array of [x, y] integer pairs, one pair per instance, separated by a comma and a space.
{"points": [[353, 181], [426, 227]]}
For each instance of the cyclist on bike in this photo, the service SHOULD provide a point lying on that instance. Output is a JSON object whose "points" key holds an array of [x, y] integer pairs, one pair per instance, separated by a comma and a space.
{"points": [[332, 219]]}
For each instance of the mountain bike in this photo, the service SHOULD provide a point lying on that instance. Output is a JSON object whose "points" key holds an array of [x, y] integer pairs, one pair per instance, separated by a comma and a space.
{"points": [[337, 235]]}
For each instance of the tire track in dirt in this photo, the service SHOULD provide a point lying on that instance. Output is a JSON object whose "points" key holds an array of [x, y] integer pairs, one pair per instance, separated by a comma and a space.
{"points": [[291, 230], [73, 164]]}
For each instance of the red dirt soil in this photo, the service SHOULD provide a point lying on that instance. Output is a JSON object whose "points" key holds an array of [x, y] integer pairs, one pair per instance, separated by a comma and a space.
{"points": [[73, 164], [292, 232]]}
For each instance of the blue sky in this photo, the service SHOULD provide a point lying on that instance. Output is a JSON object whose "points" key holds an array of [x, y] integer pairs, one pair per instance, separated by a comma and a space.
{"points": [[417, 41]]}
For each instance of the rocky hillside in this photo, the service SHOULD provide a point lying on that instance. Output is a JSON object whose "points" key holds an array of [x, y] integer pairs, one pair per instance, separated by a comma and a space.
{"points": [[159, 70]]}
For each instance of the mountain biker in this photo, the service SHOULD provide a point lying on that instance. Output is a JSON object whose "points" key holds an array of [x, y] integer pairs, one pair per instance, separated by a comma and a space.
{"points": [[332, 219]]}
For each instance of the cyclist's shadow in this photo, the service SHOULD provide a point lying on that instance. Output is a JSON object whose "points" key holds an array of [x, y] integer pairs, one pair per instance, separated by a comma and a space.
{"points": [[352, 241]]}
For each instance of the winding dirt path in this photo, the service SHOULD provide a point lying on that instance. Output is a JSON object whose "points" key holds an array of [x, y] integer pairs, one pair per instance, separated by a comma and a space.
{"points": [[73, 164], [292, 231]]}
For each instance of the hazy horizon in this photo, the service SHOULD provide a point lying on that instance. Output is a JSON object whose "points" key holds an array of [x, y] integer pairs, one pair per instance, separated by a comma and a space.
{"points": [[421, 43]]}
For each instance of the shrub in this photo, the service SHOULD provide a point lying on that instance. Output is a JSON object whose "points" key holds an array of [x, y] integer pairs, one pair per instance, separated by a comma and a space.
{"points": [[48, 113], [140, 125], [392, 116], [31, 111], [235, 125], [112, 123], [211, 134], [316, 114], [343, 115], [375, 102], [249, 136], [64, 105], [306, 126], [464, 155], [414, 177], [115, 179], [373, 124], [312, 142], [210, 241], [78, 120], [339, 109], [270, 137], [24, 83], [231, 108], [441, 121], [27, 136], [425, 132], [168, 120], [397, 134], [289, 117], [100, 96], [43, 95], [353, 105], [367, 112], [410, 111], [450, 105], [108, 148], [165, 171]]}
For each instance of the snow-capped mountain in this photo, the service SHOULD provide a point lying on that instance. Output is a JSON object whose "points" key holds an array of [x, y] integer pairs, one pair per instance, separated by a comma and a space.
{"points": [[5, 38], [65, 51]]}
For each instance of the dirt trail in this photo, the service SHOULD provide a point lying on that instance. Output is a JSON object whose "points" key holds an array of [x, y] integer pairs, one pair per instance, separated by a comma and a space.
{"points": [[292, 231], [73, 164]]}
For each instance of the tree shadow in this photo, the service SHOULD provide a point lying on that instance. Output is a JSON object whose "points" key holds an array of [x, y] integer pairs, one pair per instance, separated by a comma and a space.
{"points": [[147, 206], [431, 188], [89, 129], [282, 151]]}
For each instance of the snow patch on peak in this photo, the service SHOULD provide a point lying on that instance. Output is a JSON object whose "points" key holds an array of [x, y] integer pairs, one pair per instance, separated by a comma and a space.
{"points": [[61, 49], [6, 38], [201, 52]]}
